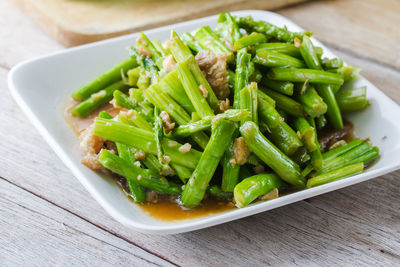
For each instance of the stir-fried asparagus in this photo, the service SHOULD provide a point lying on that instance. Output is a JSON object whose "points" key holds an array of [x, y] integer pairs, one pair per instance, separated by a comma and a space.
{"points": [[283, 93]]}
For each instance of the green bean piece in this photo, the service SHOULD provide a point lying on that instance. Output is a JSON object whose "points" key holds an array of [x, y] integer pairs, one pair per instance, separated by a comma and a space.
{"points": [[305, 75], [307, 133], [216, 192], [287, 104], [250, 40], [86, 107], [312, 103], [274, 59], [158, 135], [196, 187], [249, 101], [131, 172], [106, 79], [285, 88], [243, 60], [210, 41], [347, 72], [352, 100], [143, 140], [285, 138], [227, 28], [284, 48], [268, 114], [282, 34], [335, 174], [271, 155], [255, 186]]}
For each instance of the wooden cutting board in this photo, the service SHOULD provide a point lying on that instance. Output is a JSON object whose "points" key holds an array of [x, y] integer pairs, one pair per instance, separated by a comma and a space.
{"points": [[74, 22]]}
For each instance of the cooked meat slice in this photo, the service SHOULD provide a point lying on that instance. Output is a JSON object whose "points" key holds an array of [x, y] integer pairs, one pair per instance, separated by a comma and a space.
{"points": [[215, 70], [166, 121], [241, 151], [91, 145]]}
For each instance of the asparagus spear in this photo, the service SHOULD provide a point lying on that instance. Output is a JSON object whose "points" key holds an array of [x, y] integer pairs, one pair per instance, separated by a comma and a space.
{"points": [[249, 101], [312, 103], [270, 155], [351, 100], [305, 75], [269, 29], [205, 123], [249, 40], [268, 114], [285, 88], [331, 63], [230, 170], [98, 99], [255, 186], [284, 48], [275, 59], [227, 28], [309, 54], [335, 174], [143, 140], [316, 155], [165, 102], [196, 186], [307, 133], [286, 103], [210, 41], [136, 174], [171, 85], [333, 153], [242, 75], [110, 77], [193, 91], [191, 42], [285, 138]]}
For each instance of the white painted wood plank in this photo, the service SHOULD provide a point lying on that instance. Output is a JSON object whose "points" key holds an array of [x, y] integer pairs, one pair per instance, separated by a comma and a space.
{"points": [[36, 233]]}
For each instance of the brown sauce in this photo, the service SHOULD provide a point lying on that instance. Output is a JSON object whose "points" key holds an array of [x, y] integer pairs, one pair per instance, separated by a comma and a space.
{"points": [[167, 208]]}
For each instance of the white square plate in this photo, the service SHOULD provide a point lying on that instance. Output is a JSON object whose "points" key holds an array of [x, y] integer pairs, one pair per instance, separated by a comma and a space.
{"points": [[42, 86]]}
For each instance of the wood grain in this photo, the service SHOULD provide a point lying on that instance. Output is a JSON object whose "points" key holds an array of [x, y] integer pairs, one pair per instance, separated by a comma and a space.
{"points": [[358, 225], [34, 228], [78, 22]]}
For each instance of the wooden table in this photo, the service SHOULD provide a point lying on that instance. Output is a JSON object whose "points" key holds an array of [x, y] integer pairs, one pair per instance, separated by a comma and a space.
{"points": [[48, 218]]}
